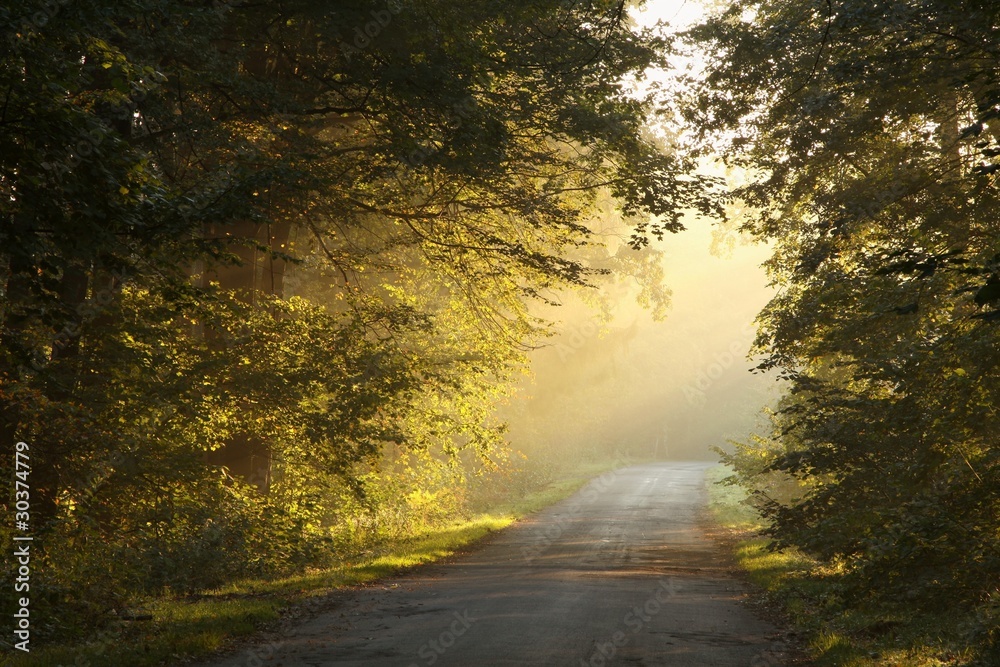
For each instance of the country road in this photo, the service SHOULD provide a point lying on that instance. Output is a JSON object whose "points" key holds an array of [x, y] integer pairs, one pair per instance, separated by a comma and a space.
{"points": [[619, 574]]}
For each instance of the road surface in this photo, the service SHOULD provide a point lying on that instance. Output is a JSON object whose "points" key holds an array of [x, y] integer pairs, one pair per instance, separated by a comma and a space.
{"points": [[619, 574]]}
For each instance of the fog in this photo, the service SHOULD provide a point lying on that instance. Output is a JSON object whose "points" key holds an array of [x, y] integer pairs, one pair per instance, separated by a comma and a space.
{"points": [[668, 389], [626, 383]]}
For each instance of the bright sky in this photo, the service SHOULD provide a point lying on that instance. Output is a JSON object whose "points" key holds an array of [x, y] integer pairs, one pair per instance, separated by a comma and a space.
{"points": [[691, 269], [678, 13], [715, 298], [689, 370]]}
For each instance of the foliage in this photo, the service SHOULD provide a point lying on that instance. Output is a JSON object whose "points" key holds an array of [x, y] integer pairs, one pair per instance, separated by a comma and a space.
{"points": [[867, 130], [312, 231]]}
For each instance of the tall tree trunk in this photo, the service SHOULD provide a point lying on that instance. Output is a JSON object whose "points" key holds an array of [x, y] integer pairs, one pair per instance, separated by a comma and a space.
{"points": [[13, 356], [62, 376], [245, 455]]}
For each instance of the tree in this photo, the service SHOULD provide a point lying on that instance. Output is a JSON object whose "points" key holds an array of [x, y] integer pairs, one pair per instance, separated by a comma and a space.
{"points": [[162, 165], [866, 128]]}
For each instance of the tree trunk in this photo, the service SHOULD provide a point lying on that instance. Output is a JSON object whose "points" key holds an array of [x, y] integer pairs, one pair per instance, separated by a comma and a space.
{"points": [[248, 456]]}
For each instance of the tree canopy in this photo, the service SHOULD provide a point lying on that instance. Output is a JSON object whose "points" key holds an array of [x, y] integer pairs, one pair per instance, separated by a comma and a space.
{"points": [[869, 135], [258, 260]]}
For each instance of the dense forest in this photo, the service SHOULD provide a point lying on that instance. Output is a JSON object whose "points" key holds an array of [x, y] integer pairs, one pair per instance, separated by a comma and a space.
{"points": [[268, 268], [869, 133], [269, 272]]}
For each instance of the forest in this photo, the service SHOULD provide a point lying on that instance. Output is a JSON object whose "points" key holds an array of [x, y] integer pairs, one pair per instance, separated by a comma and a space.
{"points": [[273, 275], [871, 134]]}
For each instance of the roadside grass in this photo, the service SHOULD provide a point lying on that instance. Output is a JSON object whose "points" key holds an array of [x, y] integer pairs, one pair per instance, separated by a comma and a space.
{"points": [[191, 627], [835, 634]]}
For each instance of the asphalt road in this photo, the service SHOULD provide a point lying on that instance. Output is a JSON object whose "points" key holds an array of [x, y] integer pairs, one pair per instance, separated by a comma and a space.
{"points": [[621, 573]]}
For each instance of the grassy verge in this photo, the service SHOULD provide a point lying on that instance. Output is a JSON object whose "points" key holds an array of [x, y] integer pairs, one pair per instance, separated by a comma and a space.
{"points": [[837, 635], [192, 627]]}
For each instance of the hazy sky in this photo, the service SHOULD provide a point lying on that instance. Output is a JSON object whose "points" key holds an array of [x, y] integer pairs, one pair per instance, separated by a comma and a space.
{"points": [[685, 379], [676, 12]]}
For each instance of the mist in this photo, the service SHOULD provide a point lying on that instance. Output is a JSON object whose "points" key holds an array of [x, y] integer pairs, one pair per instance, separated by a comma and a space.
{"points": [[624, 383]]}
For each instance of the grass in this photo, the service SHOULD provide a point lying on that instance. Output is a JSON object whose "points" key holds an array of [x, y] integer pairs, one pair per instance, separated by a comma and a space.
{"points": [[836, 635], [197, 626]]}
